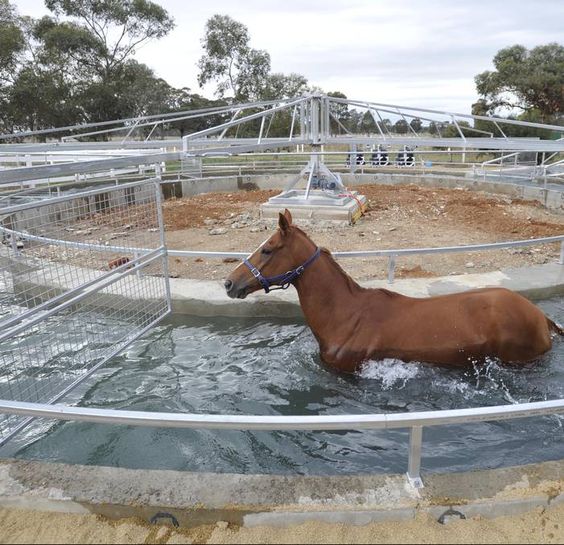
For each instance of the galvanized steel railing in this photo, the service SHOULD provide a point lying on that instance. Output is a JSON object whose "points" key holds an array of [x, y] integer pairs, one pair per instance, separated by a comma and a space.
{"points": [[415, 421]]}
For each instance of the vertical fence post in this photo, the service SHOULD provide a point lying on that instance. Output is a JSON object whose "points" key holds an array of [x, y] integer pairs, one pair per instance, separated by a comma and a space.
{"points": [[561, 260], [160, 220], [138, 272], [414, 461], [391, 268], [14, 242]]}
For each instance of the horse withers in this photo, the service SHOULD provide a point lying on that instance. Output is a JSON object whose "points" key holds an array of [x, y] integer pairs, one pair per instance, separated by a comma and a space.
{"points": [[353, 324]]}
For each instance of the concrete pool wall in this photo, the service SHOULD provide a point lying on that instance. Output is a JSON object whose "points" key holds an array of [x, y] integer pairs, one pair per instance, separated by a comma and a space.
{"points": [[192, 499]]}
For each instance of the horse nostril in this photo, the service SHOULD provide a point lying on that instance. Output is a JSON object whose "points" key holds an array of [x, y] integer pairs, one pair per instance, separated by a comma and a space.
{"points": [[228, 284]]}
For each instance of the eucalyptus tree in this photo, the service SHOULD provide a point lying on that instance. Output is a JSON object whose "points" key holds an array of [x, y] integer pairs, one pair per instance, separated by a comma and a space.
{"points": [[239, 71], [12, 41], [93, 42], [530, 81]]}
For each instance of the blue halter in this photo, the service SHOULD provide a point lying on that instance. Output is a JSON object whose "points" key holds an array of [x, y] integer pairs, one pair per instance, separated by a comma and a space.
{"points": [[282, 281]]}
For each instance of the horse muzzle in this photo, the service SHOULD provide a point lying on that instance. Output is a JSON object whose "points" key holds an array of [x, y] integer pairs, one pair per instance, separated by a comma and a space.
{"points": [[235, 291]]}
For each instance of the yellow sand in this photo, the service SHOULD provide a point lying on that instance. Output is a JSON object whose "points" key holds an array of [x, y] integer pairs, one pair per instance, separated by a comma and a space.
{"points": [[538, 526]]}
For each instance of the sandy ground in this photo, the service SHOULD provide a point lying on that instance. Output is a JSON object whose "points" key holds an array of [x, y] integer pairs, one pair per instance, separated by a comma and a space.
{"points": [[398, 217], [537, 526]]}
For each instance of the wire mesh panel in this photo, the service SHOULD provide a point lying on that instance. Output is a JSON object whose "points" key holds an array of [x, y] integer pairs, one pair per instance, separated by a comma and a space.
{"points": [[81, 276]]}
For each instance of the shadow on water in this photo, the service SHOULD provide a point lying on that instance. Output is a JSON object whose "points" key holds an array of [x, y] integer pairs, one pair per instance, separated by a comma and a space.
{"points": [[249, 366]]}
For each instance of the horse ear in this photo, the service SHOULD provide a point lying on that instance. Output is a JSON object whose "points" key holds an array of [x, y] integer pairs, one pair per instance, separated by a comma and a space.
{"points": [[288, 216], [284, 221]]}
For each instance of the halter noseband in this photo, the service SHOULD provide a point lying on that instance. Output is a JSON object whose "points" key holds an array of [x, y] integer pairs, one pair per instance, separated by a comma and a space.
{"points": [[282, 281]]}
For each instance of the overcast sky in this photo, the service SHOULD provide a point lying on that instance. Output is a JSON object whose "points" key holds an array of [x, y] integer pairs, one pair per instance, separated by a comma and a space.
{"points": [[406, 52]]}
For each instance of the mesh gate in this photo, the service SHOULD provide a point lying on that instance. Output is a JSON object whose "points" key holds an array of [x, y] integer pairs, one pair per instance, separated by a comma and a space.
{"points": [[81, 277]]}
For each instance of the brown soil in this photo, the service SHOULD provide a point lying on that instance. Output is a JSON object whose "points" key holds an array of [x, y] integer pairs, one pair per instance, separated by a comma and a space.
{"points": [[398, 217], [537, 526], [190, 213]]}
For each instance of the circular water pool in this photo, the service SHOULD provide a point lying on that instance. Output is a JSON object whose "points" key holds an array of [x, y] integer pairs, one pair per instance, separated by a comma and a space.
{"points": [[247, 366]]}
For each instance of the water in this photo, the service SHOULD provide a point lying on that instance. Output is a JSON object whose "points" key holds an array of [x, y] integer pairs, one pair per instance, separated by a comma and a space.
{"points": [[262, 367]]}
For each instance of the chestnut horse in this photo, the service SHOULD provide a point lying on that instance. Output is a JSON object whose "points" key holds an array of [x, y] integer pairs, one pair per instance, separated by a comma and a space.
{"points": [[354, 324]]}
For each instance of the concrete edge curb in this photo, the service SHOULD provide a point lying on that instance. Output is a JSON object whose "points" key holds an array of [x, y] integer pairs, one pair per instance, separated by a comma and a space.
{"points": [[275, 500]]}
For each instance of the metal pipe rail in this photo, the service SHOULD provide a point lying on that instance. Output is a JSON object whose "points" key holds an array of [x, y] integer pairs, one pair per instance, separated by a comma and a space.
{"points": [[391, 254], [415, 421]]}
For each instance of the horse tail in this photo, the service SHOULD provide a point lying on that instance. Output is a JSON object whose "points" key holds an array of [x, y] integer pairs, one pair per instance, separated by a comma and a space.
{"points": [[553, 326]]}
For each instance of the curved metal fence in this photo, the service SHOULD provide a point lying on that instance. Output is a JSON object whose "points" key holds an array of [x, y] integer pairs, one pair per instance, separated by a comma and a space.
{"points": [[65, 258]]}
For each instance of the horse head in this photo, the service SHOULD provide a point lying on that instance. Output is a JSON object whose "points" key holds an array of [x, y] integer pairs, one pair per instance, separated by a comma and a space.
{"points": [[276, 263]]}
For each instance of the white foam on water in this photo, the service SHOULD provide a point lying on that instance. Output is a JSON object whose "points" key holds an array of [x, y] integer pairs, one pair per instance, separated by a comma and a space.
{"points": [[389, 371]]}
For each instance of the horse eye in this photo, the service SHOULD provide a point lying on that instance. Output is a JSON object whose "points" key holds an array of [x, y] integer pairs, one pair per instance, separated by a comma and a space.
{"points": [[266, 251]]}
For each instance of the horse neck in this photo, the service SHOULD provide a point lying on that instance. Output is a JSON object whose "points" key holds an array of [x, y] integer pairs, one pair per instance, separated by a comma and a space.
{"points": [[327, 296]]}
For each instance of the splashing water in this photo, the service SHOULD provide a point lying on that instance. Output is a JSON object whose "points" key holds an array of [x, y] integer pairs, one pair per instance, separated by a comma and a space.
{"points": [[390, 372]]}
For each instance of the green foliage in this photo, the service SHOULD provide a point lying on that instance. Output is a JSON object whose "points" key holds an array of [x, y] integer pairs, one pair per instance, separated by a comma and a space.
{"points": [[133, 91], [340, 115], [280, 85], [401, 127], [449, 130], [534, 116], [41, 99], [102, 35], [182, 99], [78, 64], [228, 60], [416, 124], [12, 40], [530, 80], [367, 124]]}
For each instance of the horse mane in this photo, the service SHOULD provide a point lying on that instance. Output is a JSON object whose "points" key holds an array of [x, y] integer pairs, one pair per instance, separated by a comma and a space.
{"points": [[351, 283]]}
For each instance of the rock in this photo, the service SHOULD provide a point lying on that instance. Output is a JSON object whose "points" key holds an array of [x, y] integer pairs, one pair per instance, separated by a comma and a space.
{"points": [[173, 275], [256, 229], [393, 229], [222, 525], [217, 231], [470, 265], [230, 260], [361, 234], [210, 221], [152, 230], [198, 260], [127, 227]]}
